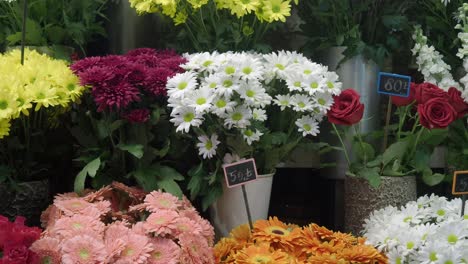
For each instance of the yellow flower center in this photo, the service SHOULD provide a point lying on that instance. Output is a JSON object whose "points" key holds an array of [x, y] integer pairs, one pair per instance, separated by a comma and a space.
{"points": [[280, 66], [250, 93], [330, 85], [207, 63], [314, 85], [307, 72], [189, 117], [164, 203], [276, 8], [157, 255], [321, 101], [84, 254], [452, 239], [297, 84], [227, 83], [221, 103], [77, 226], [248, 133], [160, 221], [279, 231], [201, 101], [230, 70], [247, 70], [440, 212], [209, 145], [71, 87], [301, 104], [41, 95], [182, 85], [213, 85], [433, 256], [307, 127], [398, 260], [237, 116], [410, 245]]}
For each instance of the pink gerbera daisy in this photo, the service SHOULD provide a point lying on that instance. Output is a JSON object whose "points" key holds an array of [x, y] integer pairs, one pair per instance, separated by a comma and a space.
{"points": [[115, 239], [48, 250], [83, 250], [139, 228], [137, 249], [165, 251], [73, 205], [68, 227], [186, 225], [157, 200], [195, 250], [162, 222]]}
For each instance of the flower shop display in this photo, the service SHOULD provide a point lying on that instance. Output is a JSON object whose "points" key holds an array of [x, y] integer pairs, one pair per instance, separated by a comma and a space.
{"points": [[120, 224], [429, 230], [56, 27], [273, 241], [421, 125], [33, 99], [15, 241], [224, 25], [247, 105], [122, 126]]}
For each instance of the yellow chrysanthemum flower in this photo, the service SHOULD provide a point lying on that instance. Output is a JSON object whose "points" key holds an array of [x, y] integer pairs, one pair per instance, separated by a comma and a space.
{"points": [[4, 127], [276, 10], [180, 18], [243, 7], [8, 104], [197, 3]]}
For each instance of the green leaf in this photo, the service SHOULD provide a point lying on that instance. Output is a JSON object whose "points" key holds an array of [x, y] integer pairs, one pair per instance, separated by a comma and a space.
{"points": [[364, 151], [146, 178], [167, 172], [432, 179], [395, 151], [421, 159], [375, 163], [170, 186], [212, 196], [90, 169], [116, 124], [371, 175], [134, 149], [161, 153], [196, 182]]}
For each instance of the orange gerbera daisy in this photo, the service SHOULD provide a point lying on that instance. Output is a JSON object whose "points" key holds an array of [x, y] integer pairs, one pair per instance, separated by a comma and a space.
{"points": [[261, 254], [363, 254], [327, 259], [308, 242], [225, 249], [242, 233], [277, 233]]}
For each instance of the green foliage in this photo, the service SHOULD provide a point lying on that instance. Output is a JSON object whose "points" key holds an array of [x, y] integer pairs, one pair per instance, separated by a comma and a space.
{"points": [[53, 23]]}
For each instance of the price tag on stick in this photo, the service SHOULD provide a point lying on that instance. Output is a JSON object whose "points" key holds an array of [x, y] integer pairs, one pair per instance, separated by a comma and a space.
{"points": [[395, 85], [239, 174], [460, 187]]}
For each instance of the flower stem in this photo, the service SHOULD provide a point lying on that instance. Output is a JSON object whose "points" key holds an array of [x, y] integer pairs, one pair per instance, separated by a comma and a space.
{"points": [[342, 144]]}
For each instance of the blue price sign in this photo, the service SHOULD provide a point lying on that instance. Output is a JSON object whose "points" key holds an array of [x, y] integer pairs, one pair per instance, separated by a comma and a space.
{"points": [[394, 84]]}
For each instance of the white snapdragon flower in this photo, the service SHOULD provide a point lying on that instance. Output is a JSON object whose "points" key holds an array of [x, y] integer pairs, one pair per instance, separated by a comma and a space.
{"points": [[207, 146]]}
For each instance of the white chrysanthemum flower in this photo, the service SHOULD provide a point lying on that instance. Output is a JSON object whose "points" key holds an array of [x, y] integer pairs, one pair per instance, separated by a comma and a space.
{"points": [[396, 257], [207, 146], [301, 103], [254, 94], [323, 102], [295, 82], [222, 105], [307, 126], [200, 99], [308, 68], [283, 101], [314, 83], [294, 56], [228, 85], [180, 84], [251, 136], [250, 68], [451, 256], [186, 117], [452, 233], [332, 85], [430, 253], [200, 61], [212, 81], [259, 114], [239, 117], [277, 63]]}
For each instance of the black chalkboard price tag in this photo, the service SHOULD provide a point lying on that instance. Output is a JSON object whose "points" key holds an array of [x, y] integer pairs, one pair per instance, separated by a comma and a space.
{"points": [[240, 173], [460, 183], [394, 84]]}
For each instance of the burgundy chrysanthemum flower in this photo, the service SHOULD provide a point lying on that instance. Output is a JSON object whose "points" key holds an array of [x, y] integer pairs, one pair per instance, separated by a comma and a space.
{"points": [[85, 64], [174, 63], [137, 116], [95, 76], [168, 53], [115, 96], [136, 74], [146, 59], [156, 80], [140, 51]]}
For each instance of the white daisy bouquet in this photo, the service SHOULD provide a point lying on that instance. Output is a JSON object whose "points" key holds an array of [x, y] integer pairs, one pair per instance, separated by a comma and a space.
{"points": [[429, 230], [247, 105]]}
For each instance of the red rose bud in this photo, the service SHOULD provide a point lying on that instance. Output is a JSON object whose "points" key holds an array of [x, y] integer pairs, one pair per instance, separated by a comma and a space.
{"points": [[404, 101], [346, 109], [426, 91], [436, 113], [458, 103]]}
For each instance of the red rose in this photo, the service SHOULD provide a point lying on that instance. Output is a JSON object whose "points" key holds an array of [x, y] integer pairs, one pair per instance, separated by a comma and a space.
{"points": [[460, 106], [404, 101], [436, 113], [346, 109], [426, 91]]}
